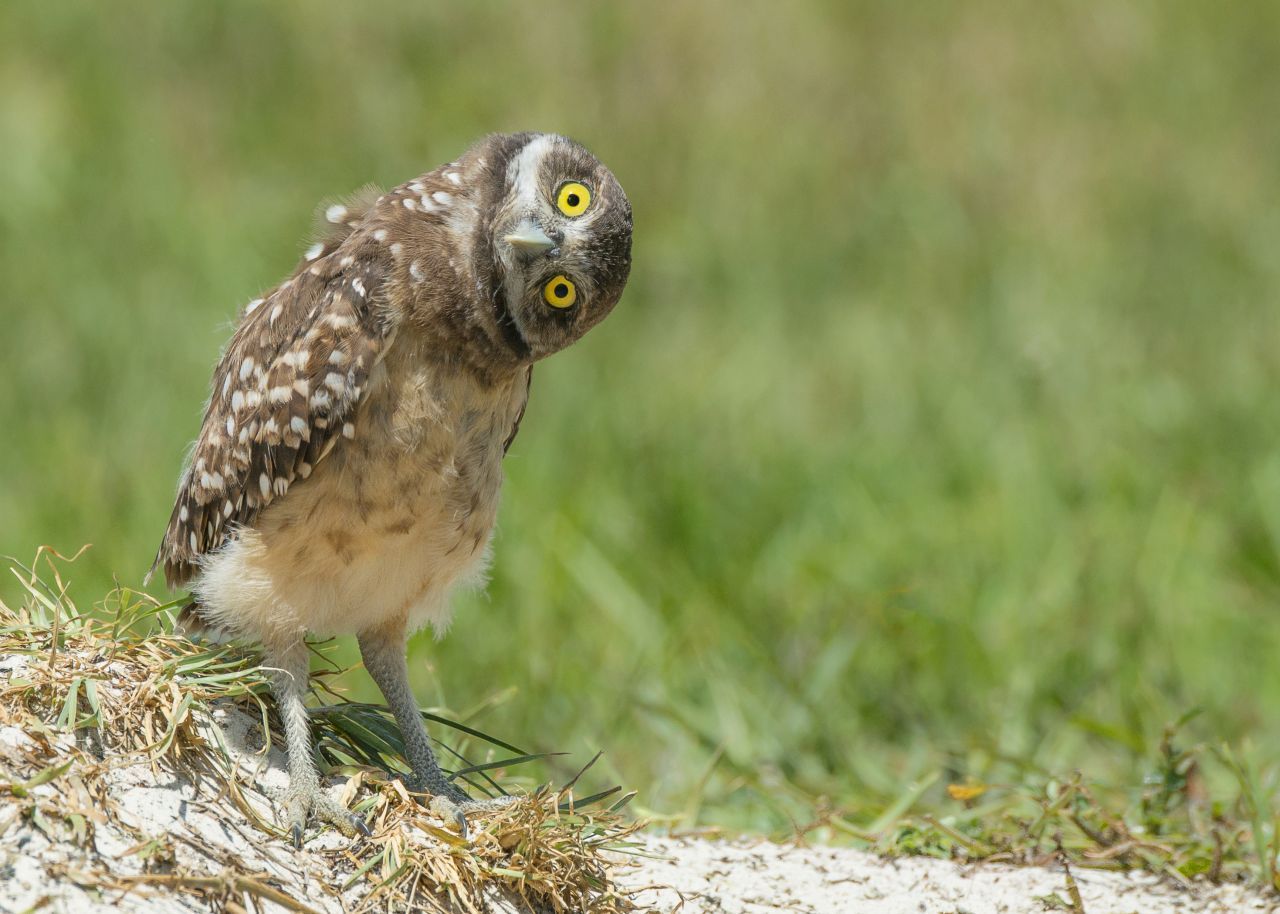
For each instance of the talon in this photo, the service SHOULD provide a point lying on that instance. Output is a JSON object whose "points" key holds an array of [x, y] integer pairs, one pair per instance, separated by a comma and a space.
{"points": [[461, 818], [305, 804]]}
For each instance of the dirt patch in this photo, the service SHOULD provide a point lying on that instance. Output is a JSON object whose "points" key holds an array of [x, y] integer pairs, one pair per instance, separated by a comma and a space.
{"points": [[754, 877], [198, 835], [87, 829]]}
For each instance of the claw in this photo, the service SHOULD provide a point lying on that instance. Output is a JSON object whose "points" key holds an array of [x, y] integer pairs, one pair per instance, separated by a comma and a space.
{"points": [[461, 818], [305, 803]]}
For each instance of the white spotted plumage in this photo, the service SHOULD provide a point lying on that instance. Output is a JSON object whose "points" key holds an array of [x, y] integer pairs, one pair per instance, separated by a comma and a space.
{"points": [[347, 473], [284, 392], [301, 362]]}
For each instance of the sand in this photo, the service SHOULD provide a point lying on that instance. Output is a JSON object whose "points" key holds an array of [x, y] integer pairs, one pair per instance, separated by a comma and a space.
{"points": [[677, 874]]}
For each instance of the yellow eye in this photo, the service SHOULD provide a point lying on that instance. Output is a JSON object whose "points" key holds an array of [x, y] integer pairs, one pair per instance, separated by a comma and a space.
{"points": [[573, 198], [559, 292]]}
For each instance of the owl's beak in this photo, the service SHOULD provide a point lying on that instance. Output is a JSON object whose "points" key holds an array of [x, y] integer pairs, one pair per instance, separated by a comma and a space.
{"points": [[529, 238]]}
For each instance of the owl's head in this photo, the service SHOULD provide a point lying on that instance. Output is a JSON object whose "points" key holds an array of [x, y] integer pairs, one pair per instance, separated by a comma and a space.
{"points": [[558, 243]]}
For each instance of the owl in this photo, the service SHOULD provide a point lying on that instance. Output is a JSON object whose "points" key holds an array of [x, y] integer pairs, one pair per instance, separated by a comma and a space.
{"points": [[346, 476]]}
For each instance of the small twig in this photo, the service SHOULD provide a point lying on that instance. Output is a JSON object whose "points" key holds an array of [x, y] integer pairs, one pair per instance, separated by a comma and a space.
{"points": [[1073, 890], [233, 882], [1215, 868], [972, 845]]}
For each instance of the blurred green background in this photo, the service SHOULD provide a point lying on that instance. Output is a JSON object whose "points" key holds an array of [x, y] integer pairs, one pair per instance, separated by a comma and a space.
{"points": [[938, 427]]}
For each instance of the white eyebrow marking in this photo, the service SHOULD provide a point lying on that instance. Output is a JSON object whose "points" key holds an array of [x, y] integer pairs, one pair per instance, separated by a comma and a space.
{"points": [[522, 173], [522, 178]]}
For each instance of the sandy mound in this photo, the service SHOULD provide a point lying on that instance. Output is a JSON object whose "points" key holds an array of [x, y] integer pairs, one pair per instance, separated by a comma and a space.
{"points": [[161, 801], [168, 825]]}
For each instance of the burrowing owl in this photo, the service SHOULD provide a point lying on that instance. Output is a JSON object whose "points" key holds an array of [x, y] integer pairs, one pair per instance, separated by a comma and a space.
{"points": [[346, 475]]}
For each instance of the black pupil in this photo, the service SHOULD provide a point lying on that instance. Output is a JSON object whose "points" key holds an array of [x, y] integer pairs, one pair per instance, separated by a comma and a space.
{"points": [[561, 290], [572, 199]]}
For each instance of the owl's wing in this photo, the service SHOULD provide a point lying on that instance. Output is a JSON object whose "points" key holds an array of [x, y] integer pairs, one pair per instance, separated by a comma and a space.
{"points": [[515, 426], [284, 394]]}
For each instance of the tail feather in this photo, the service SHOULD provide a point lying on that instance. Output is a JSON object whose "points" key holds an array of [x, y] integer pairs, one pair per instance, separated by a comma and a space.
{"points": [[193, 624]]}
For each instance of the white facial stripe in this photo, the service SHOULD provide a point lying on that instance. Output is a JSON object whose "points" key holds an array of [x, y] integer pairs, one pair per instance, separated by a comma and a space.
{"points": [[522, 174]]}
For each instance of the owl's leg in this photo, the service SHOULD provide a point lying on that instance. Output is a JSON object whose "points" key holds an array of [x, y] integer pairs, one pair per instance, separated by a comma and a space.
{"points": [[305, 797], [383, 652]]}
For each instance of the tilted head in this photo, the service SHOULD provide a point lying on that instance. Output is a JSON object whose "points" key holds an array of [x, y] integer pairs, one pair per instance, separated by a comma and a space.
{"points": [[555, 243]]}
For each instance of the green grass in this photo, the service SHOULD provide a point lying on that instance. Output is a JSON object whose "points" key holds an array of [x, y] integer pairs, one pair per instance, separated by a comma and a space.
{"points": [[118, 676], [937, 431], [135, 693]]}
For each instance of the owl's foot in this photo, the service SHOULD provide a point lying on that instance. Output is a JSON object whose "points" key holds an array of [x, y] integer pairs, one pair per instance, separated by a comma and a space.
{"points": [[303, 802], [451, 803], [449, 808]]}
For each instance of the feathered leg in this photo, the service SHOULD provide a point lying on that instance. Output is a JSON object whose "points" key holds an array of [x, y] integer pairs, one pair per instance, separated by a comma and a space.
{"points": [[305, 797], [383, 652]]}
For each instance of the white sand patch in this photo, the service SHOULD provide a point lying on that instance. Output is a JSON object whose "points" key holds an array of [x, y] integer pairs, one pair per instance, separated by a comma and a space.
{"points": [[754, 877], [198, 833]]}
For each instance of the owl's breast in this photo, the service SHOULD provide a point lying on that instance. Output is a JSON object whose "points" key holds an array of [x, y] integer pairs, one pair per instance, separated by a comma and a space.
{"points": [[397, 516]]}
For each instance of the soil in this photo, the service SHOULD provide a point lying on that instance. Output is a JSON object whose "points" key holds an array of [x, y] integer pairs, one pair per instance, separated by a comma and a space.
{"points": [[202, 836]]}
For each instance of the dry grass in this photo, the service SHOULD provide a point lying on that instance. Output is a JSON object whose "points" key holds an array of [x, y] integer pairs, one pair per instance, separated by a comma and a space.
{"points": [[96, 692]]}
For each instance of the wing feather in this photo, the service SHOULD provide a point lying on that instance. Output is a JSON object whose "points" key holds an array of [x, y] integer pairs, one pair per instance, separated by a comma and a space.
{"points": [[515, 424], [285, 394]]}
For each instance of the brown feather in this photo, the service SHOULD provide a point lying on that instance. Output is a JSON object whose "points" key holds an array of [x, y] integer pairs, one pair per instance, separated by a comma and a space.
{"points": [[285, 389]]}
